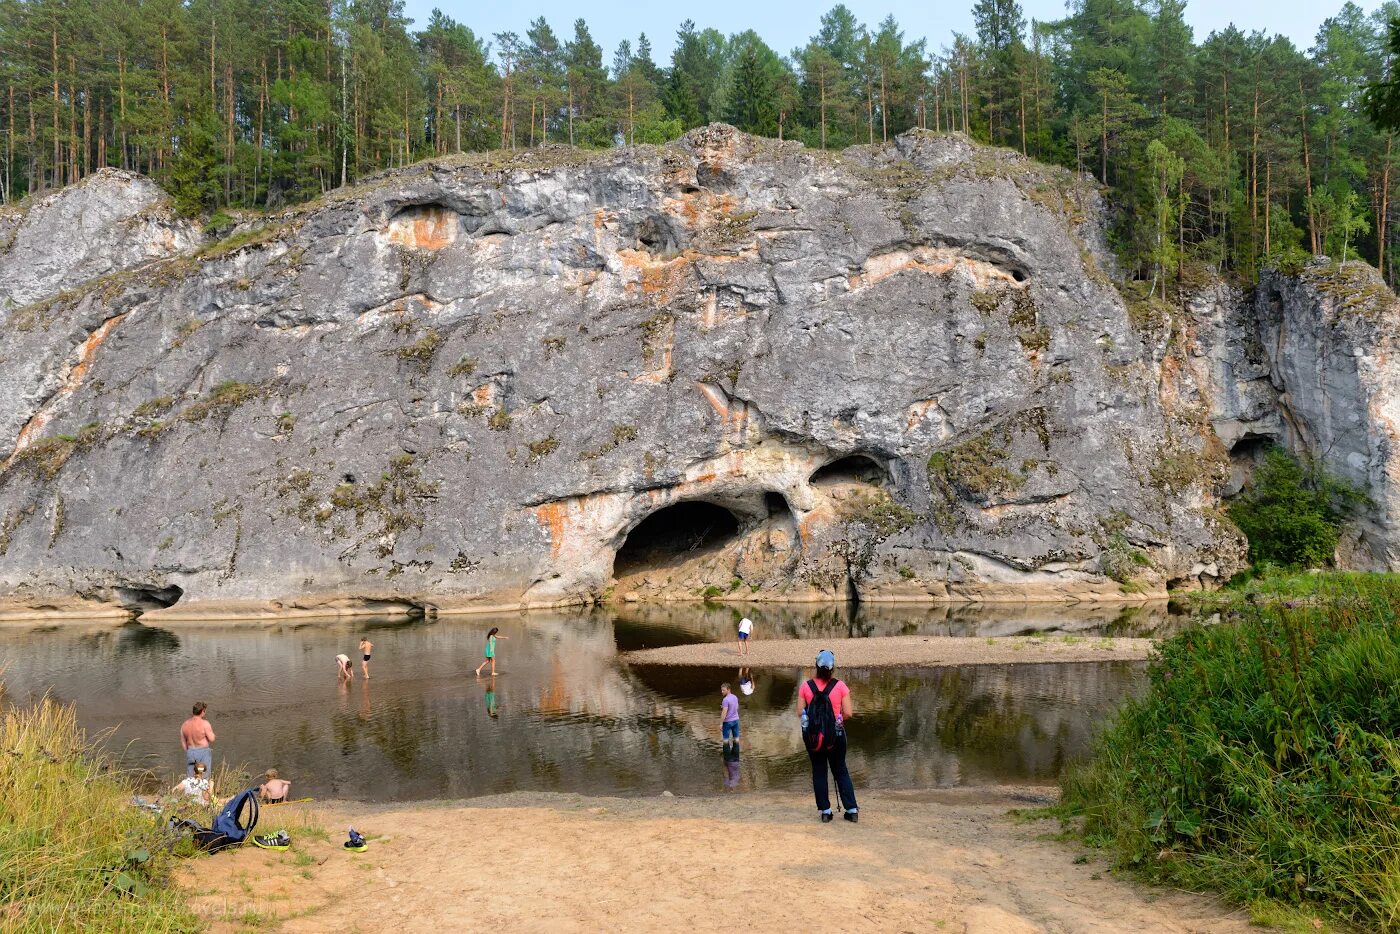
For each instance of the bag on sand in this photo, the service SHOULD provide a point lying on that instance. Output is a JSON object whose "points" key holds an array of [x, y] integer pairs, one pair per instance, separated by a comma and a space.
{"points": [[820, 733], [230, 827]]}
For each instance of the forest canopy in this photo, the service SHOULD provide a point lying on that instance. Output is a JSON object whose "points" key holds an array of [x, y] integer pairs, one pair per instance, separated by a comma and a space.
{"points": [[1235, 152]]}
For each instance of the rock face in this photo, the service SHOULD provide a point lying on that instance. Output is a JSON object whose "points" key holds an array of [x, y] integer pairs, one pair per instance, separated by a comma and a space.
{"points": [[726, 366], [1309, 362]]}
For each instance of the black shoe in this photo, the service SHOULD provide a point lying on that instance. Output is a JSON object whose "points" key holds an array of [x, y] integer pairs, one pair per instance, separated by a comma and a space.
{"points": [[826, 817], [852, 816]]}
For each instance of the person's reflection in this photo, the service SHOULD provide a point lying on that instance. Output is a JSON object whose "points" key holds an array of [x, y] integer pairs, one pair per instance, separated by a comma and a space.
{"points": [[731, 765], [745, 681], [365, 710], [342, 692], [491, 705]]}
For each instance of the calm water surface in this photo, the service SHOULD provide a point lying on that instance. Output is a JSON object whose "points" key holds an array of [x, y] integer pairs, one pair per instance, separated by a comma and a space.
{"points": [[565, 713]]}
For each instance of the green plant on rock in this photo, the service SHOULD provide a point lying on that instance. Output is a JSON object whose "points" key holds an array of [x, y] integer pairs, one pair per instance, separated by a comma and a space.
{"points": [[465, 366], [420, 353], [1121, 561], [539, 450], [1292, 513], [222, 399]]}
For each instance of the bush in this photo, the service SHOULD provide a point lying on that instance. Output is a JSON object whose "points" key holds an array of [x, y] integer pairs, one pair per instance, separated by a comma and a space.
{"points": [[74, 854], [1263, 759], [1292, 513]]}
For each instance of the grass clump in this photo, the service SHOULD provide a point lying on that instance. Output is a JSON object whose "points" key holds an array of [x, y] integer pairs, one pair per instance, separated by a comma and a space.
{"points": [[222, 399], [74, 854], [1293, 513], [420, 353], [1263, 762], [465, 366]]}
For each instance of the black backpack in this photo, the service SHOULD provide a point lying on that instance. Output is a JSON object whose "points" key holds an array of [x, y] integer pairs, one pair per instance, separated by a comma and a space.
{"points": [[822, 728]]}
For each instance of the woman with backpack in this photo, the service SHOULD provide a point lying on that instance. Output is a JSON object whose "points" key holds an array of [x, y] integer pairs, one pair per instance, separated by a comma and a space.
{"points": [[824, 704]]}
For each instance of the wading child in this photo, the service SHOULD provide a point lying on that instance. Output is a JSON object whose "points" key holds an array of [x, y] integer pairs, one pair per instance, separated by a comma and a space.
{"points": [[490, 658], [728, 715], [366, 648], [343, 669]]}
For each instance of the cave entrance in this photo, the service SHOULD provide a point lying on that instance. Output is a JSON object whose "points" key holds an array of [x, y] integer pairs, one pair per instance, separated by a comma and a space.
{"points": [[854, 468], [675, 534]]}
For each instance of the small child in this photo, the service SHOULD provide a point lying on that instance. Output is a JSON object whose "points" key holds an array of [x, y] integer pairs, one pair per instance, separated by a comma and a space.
{"points": [[729, 715], [745, 630], [274, 790], [491, 638], [195, 786]]}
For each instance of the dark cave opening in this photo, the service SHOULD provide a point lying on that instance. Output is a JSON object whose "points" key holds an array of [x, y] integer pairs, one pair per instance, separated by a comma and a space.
{"points": [[676, 532], [854, 468]]}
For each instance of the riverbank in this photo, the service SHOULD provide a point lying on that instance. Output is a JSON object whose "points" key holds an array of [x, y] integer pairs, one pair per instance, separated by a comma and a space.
{"points": [[1261, 760], [940, 860], [900, 652]]}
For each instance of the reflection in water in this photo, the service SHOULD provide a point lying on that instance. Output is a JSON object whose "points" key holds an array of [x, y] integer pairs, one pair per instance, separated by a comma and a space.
{"points": [[730, 754], [135, 638], [569, 715], [655, 625]]}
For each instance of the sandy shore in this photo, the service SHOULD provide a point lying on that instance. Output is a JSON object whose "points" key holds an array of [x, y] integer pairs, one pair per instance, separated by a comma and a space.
{"points": [[932, 861], [900, 651]]}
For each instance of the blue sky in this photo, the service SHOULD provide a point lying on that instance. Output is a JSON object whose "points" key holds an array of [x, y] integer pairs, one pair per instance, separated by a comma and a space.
{"points": [[786, 24]]}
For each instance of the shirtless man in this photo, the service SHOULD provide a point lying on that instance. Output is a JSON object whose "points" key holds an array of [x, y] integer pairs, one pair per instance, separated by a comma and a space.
{"points": [[366, 649], [195, 736]]}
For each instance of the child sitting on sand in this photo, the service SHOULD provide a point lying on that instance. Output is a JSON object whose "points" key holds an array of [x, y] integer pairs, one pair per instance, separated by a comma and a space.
{"points": [[274, 790], [195, 786]]}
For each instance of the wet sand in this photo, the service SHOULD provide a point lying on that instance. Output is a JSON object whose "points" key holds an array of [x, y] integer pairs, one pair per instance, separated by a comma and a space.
{"points": [[900, 652], [919, 861]]}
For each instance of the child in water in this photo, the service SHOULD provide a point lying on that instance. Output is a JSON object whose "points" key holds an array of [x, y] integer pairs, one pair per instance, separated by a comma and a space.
{"points": [[491, 638], [343, 669]]}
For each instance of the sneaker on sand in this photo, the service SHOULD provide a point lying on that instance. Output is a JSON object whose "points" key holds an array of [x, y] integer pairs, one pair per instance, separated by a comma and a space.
{"points": [[273, 841], [826, 817], [852, 816], [356, 843]]}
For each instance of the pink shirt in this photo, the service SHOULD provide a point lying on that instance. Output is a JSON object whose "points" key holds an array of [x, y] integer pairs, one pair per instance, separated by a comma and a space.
{"points": [[838, 693]]}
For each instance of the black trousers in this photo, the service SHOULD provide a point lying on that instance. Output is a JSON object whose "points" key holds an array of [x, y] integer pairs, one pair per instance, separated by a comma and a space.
{"points": [[835, 760]]}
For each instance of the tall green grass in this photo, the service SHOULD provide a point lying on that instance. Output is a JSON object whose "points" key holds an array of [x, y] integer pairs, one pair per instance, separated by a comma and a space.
{"points": [[74, 854], [1263, 761]]}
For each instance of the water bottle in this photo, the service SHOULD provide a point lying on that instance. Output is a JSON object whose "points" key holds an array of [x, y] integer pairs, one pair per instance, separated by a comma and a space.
{"points": [[804, 721]]}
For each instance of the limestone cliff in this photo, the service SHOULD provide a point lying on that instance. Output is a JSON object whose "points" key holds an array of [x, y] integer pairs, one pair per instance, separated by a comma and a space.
{"points": [[727, 366]]}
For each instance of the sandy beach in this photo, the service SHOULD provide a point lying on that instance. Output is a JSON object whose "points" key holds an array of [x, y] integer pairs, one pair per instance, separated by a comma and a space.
{"points": [[900, 652], [929, 861]]}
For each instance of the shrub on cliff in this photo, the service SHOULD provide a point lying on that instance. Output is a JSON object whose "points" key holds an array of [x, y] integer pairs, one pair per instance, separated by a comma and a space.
{"points": [[1292, 513], [74, 854], [1263, 759]]}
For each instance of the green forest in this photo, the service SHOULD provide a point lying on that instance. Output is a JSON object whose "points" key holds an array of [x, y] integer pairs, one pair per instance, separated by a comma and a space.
{"points": [[1234, 152]]}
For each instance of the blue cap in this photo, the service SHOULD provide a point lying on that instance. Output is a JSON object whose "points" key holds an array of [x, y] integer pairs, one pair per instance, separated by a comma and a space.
{"points": [[825, 659]]}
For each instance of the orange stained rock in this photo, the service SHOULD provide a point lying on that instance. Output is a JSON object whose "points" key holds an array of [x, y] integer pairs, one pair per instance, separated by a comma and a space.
{"points": [[430, 228], [716, 397], [87, 350], [918, 411], [931, 261], [552, 516]]}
